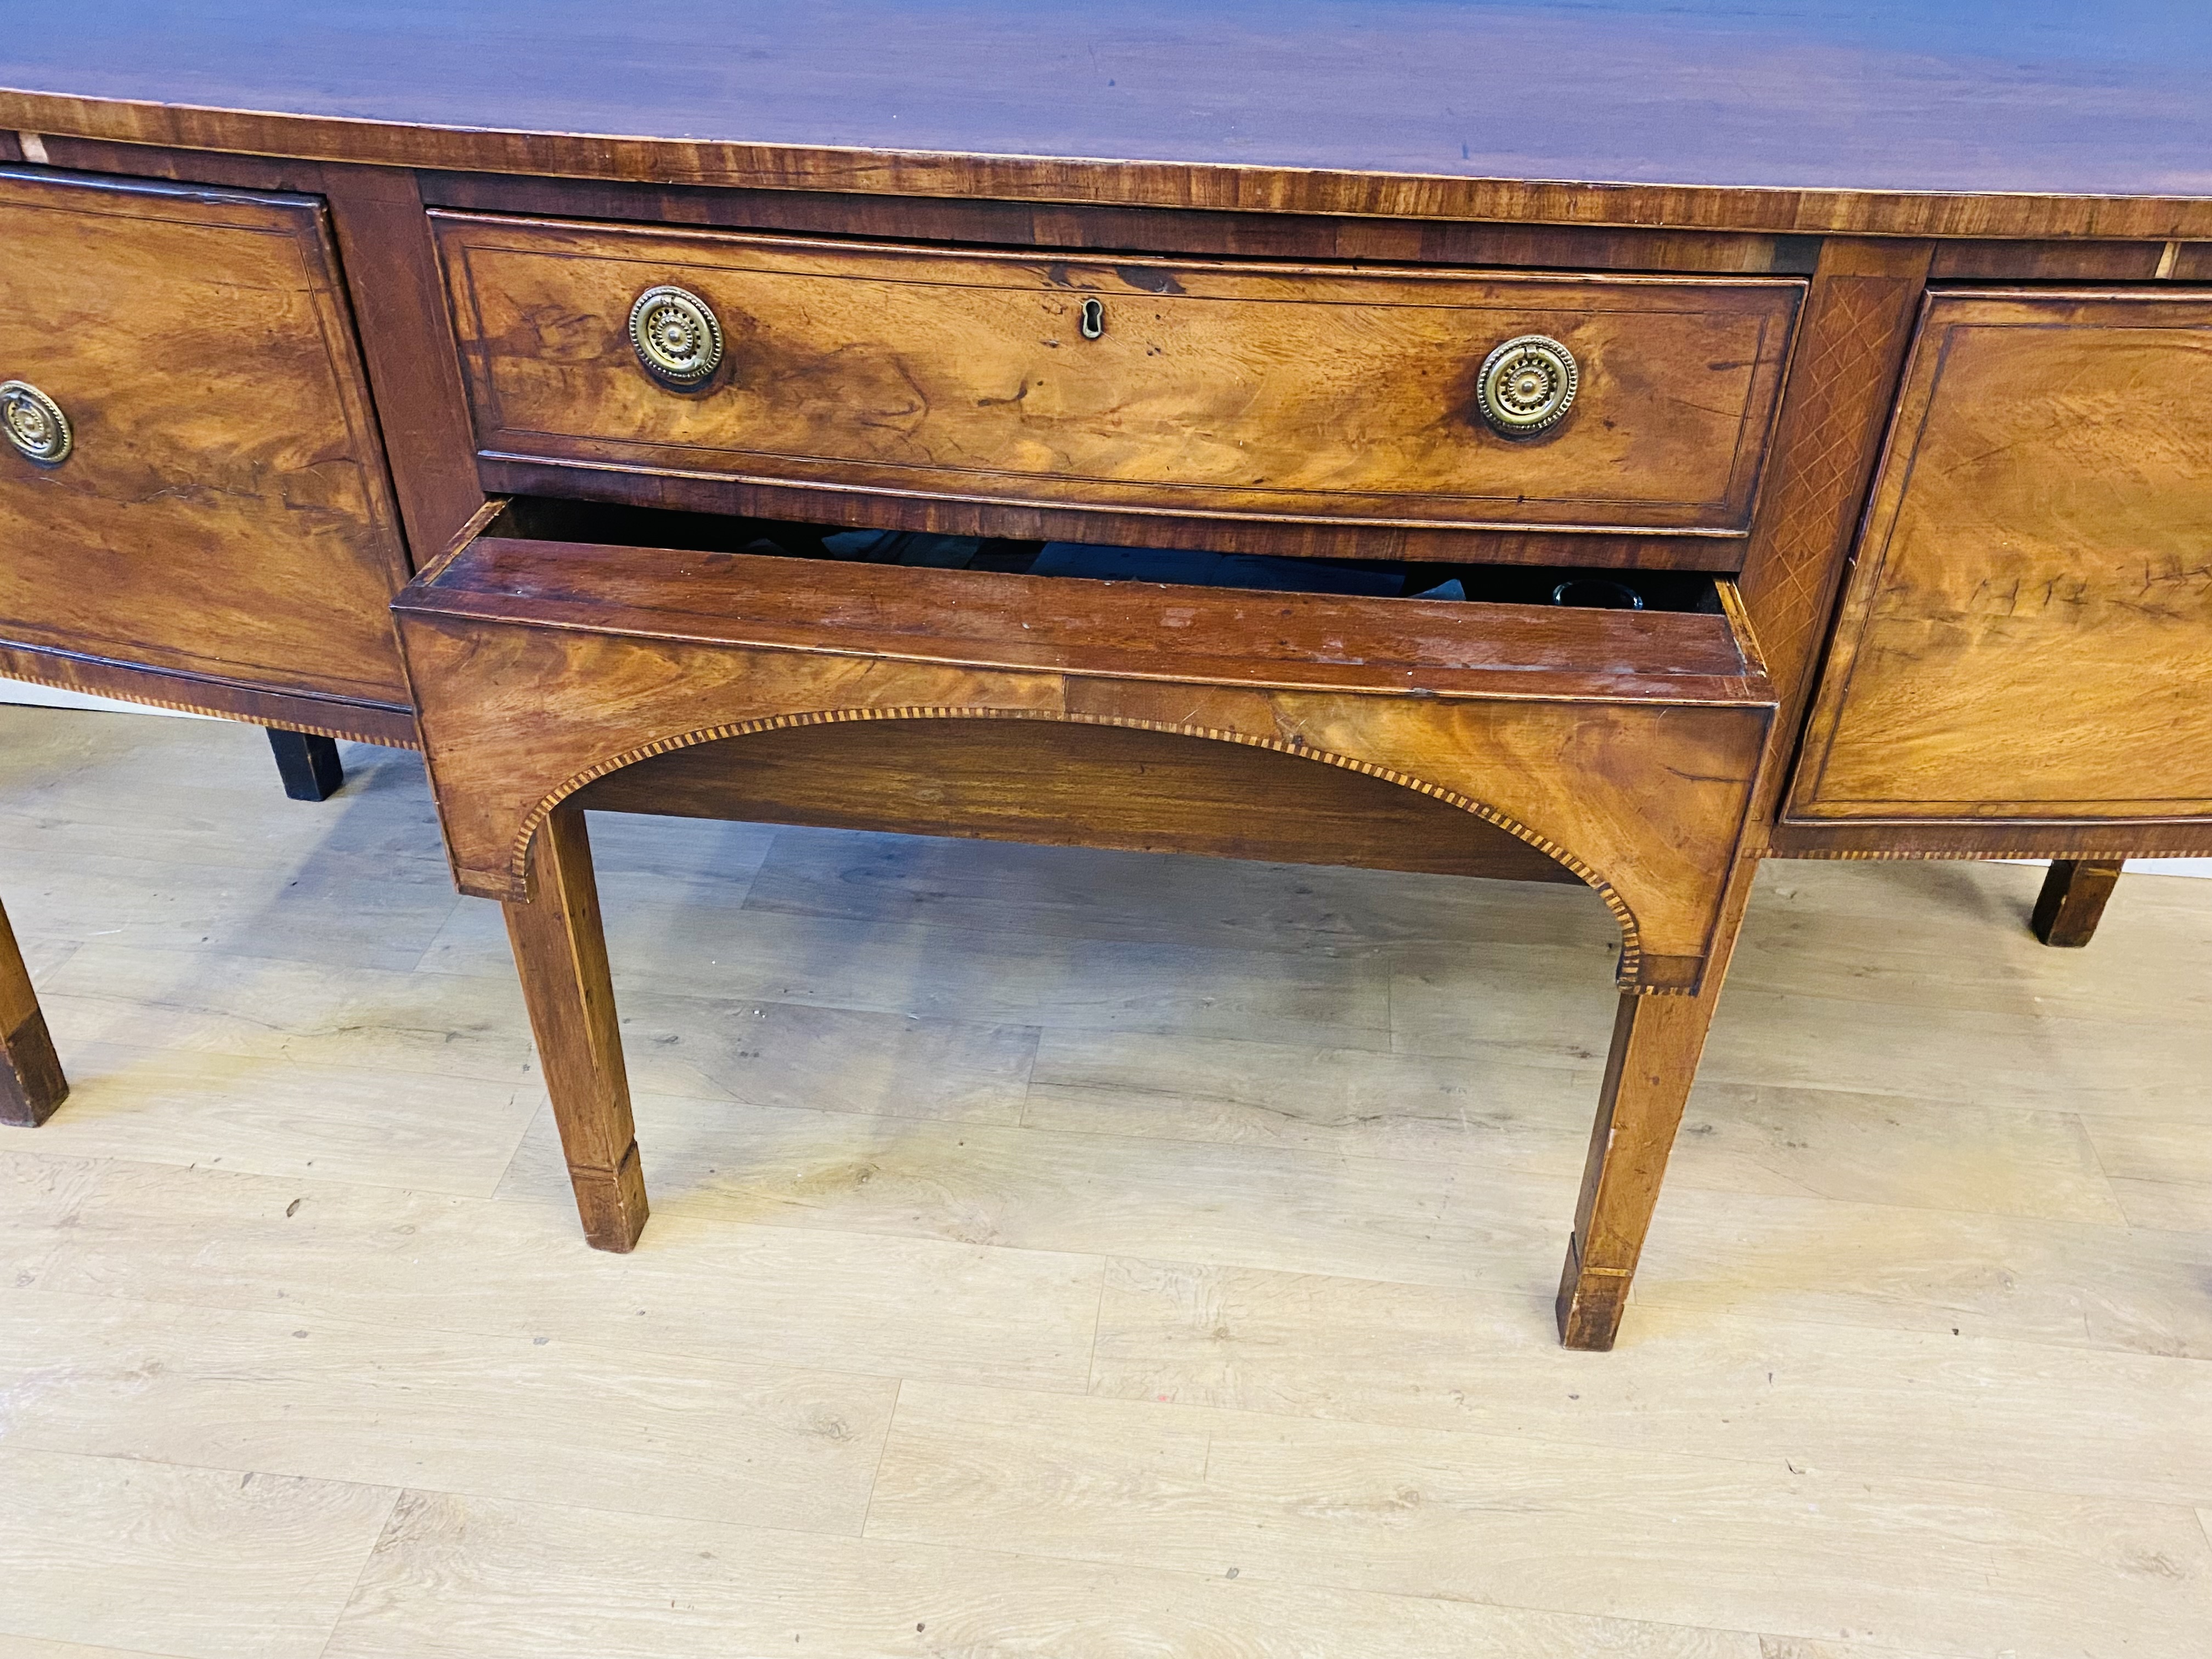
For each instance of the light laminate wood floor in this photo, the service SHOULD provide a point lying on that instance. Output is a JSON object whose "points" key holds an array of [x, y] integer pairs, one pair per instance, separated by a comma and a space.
{"points": [[1069, 1255]]}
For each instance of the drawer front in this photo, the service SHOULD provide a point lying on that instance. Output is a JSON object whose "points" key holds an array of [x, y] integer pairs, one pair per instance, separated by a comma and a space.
{"points": [[1252, 391], [2027, 632], [1623, 745], [222, 509]]}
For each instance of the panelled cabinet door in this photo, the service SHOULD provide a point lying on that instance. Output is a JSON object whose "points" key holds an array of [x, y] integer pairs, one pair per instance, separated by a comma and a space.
{"points": [[221, 507], [2027, 632]]}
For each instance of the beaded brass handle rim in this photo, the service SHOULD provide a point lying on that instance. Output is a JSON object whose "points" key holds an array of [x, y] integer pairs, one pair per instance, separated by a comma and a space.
{"points": [[676, 335], [35, 423], [1527, 385]]}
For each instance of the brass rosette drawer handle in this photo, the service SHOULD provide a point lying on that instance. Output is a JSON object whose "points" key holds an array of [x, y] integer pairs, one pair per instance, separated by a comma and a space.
{"points": [[676, 335], [1527, 385], [35, 423]]}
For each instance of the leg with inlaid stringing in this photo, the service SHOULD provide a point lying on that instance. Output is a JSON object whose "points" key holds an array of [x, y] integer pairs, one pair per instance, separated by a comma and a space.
{"points": [[561, 954], [1656, 1042]]}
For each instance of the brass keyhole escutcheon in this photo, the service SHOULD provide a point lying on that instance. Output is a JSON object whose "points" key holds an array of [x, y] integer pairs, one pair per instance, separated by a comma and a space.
{"points": [[1527, 385], [35, 423], [676, 335], [1092, 321]]}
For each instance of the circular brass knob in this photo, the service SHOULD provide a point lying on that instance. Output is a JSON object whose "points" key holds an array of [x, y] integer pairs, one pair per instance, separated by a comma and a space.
{"points": [[34, 422], [1527, 385], [676, 335]]}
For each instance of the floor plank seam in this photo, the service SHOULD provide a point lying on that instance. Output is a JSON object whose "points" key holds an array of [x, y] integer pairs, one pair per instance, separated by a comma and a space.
{"points": [[1831, 1469], [875, 1477], [1097, 1326], [1827, 1472], [632, 1345], [353, 1594]]}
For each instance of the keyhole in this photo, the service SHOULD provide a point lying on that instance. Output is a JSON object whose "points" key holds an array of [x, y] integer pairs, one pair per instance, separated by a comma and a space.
{"points": [[1093, 323]]}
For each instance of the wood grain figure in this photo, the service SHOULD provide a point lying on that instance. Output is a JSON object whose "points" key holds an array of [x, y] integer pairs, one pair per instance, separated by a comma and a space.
{"points": [[223, 511], [1253, 392], [2027, 630], [1774, 118]]}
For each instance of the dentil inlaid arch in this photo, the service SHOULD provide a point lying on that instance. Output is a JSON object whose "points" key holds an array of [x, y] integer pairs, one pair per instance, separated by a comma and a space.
{"points": [[1623, 915]]}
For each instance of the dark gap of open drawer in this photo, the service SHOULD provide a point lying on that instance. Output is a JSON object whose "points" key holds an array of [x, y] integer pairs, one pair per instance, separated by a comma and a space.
{"points": [[550, 518]]}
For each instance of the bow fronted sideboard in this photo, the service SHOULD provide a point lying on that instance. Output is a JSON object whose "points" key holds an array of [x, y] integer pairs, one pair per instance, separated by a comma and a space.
{"points": [[1612, 444]]}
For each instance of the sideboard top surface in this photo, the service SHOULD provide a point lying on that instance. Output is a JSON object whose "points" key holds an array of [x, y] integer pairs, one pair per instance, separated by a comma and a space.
{"points": [[1912, 117]]}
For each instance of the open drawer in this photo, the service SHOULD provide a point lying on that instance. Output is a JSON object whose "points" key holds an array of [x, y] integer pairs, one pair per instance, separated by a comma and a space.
{"points": [[559, 650]]}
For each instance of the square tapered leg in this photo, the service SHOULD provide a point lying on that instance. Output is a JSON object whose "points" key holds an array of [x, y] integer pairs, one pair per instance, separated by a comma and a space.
{"points": [[31, 1081], [1656, 1043], [2073, 900], [561, 953], [308, 765]]}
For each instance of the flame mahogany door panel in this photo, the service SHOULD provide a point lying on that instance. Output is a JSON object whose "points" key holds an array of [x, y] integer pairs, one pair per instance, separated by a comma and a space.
{"points": [[2028, 633], [224, 511]]}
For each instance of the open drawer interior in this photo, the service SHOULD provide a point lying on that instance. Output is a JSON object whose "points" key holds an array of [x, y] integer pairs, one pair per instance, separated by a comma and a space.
{"points": [[547, 518], [1348, 623]]}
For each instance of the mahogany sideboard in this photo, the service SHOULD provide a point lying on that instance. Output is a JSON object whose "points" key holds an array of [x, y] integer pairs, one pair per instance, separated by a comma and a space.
{"points": [[1873, 352]]}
